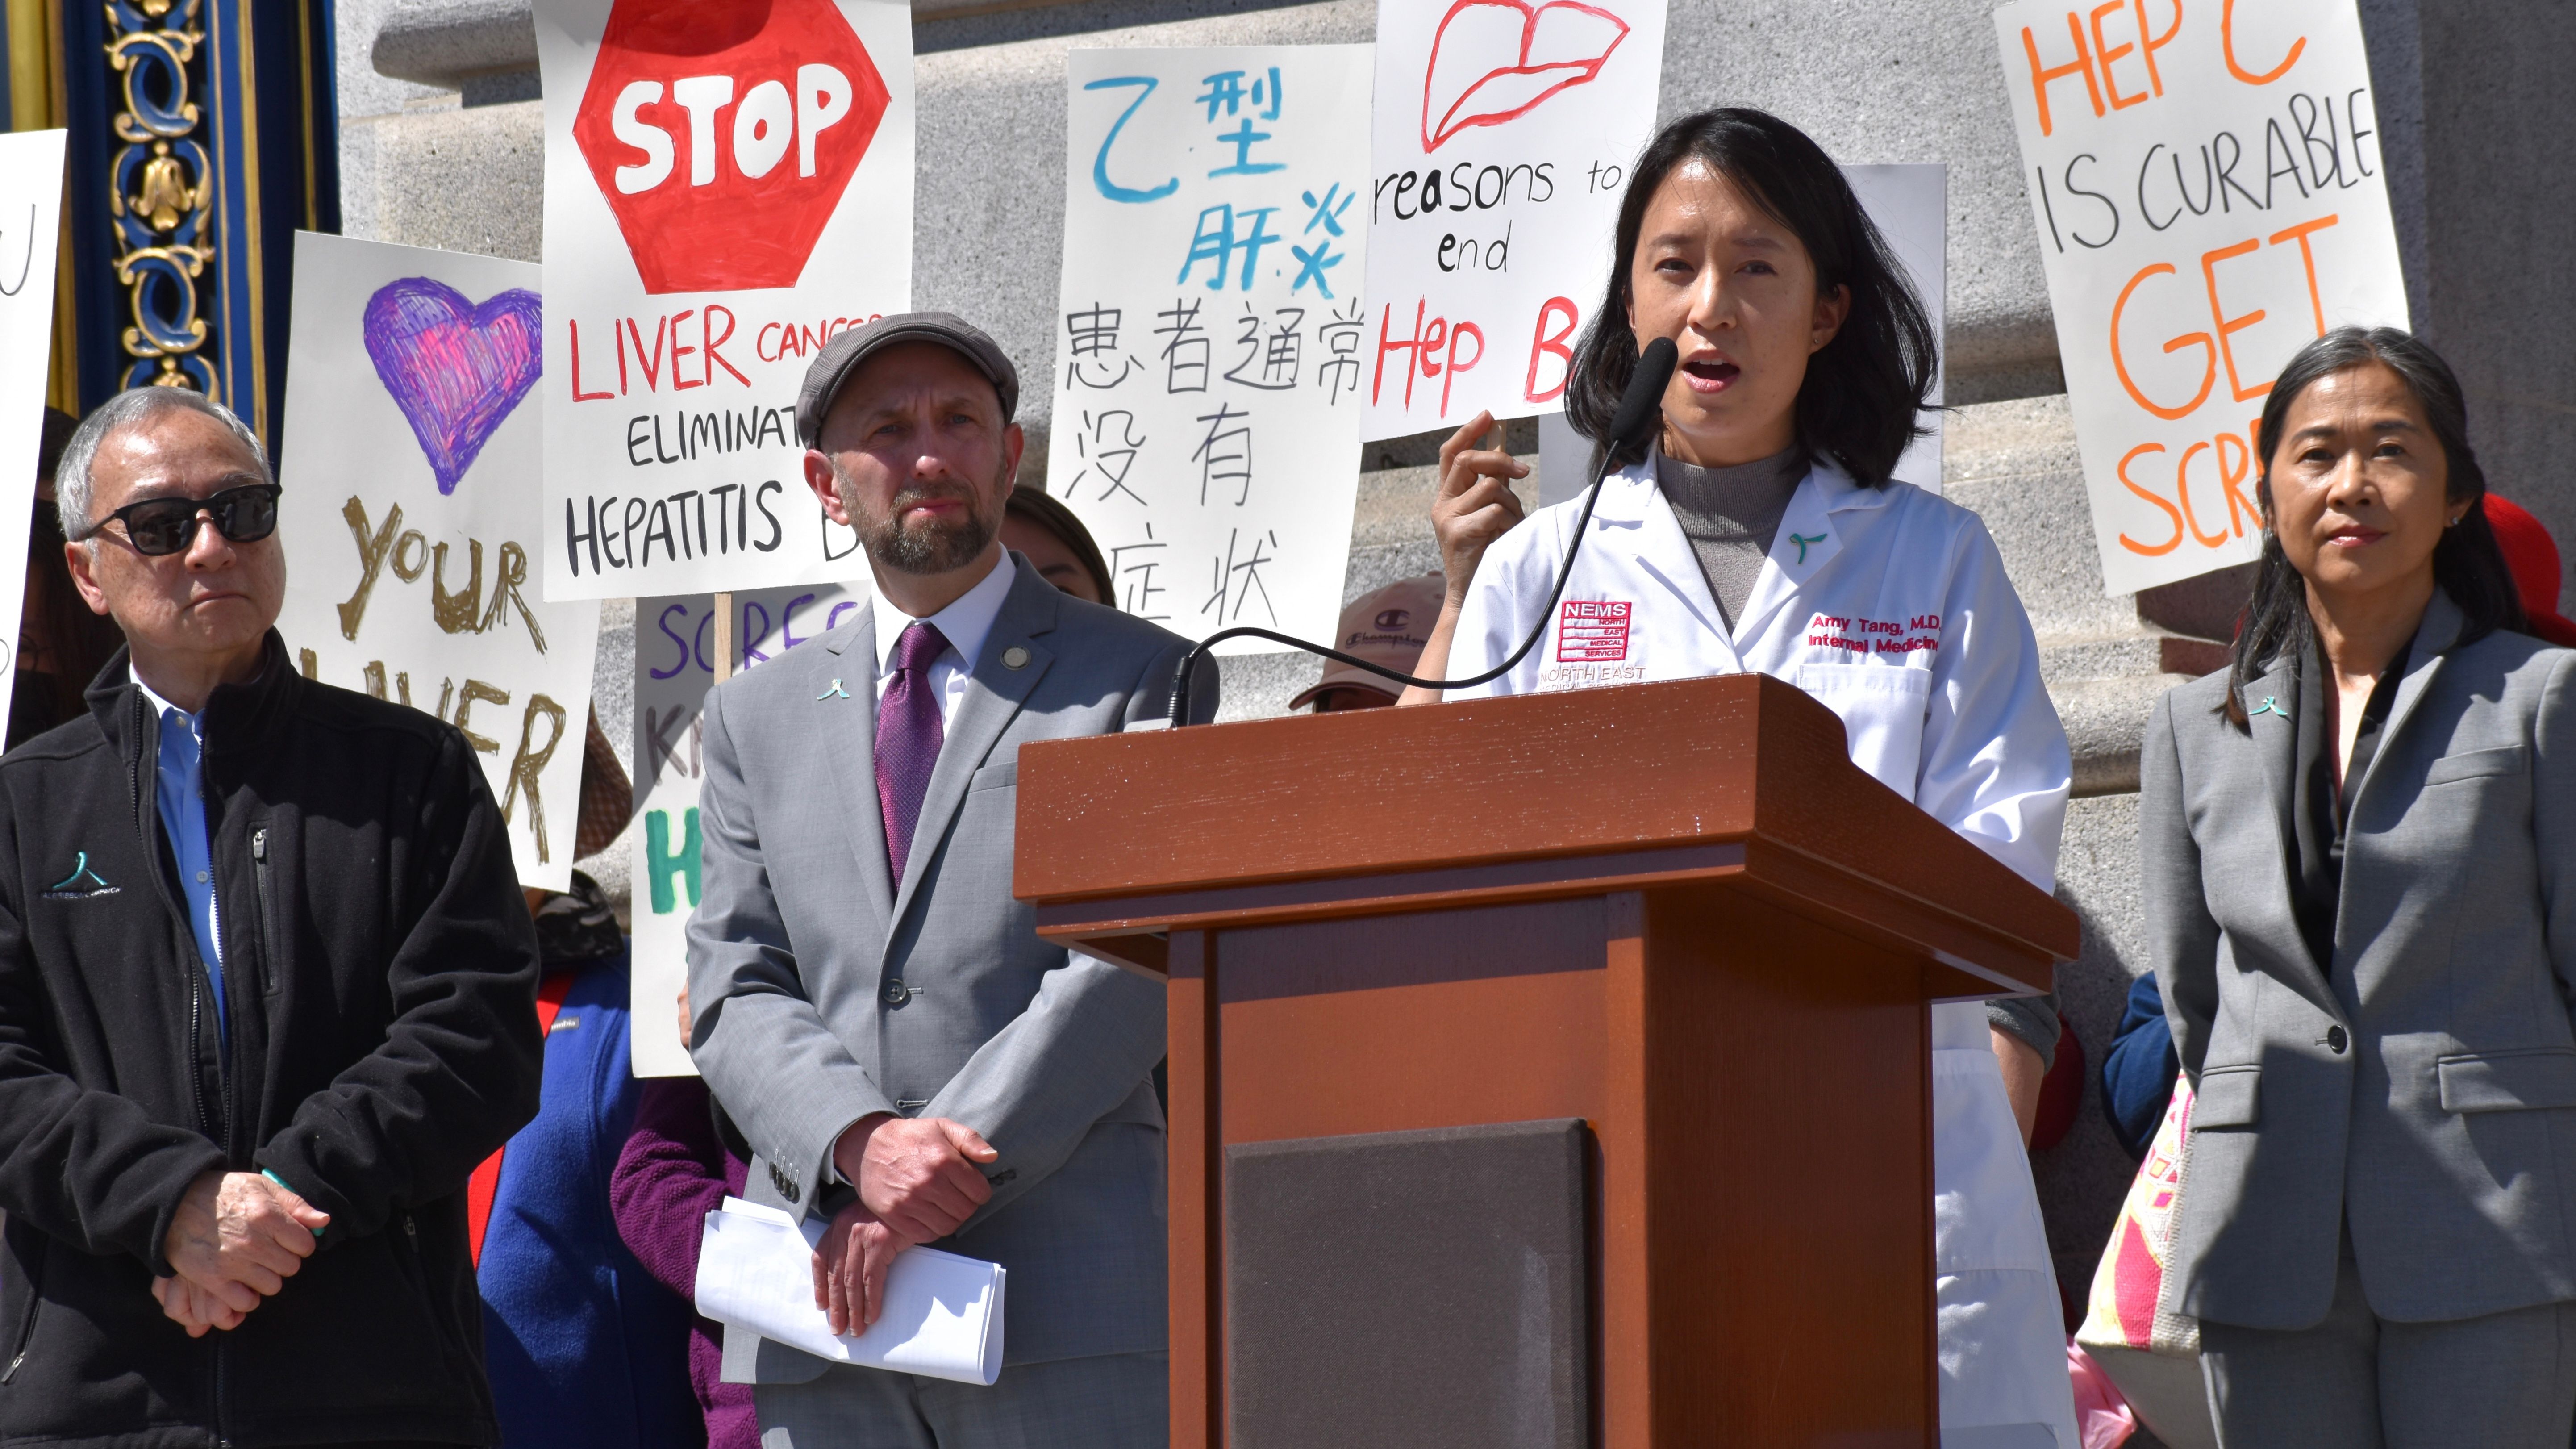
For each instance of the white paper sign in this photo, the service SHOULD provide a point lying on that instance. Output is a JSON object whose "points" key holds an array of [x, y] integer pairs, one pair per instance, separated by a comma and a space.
{"points": [[943, 1313], [726, 187], [2208, 188], [1910, 205], [1210, 336], [31, 194], [1500, 145], [411, 512], [674, 668]]}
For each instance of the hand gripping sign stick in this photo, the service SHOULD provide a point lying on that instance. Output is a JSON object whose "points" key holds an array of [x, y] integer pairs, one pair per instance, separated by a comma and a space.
{"points": [[1638, 406]]}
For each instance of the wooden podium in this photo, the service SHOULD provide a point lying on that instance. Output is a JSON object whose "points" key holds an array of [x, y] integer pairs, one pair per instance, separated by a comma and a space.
{"points": [[1675, 912]]}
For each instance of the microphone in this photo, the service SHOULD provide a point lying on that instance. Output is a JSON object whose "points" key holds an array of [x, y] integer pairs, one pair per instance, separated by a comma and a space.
{"points": [[1640, 407]]}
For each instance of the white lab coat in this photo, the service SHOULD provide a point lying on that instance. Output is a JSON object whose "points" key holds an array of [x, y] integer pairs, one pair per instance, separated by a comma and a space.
{"points": [[1891, 606]]}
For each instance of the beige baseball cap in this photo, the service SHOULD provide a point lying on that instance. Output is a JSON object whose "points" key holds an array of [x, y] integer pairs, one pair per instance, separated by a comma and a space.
{"points": [[1386, 626]]}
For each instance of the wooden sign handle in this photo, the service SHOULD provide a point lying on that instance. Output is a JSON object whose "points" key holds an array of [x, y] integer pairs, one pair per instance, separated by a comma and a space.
{"points": [[724, 637]]}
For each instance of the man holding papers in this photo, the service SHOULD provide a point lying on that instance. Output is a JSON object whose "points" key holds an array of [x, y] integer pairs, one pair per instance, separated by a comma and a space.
{"points": [[903, 1054]]}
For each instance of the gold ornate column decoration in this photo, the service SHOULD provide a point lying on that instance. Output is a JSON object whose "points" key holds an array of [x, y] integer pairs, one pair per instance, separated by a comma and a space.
{"points": [[161, 191]]}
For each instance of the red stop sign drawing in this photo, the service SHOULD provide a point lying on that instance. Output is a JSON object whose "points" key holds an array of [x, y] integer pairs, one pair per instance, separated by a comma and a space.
{"points": [[722, 135]]}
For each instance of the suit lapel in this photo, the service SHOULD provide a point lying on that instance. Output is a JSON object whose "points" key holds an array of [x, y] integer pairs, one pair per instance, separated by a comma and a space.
{"points": [[2434, 637], [994, 693], [2271, 705], [853, 753]]}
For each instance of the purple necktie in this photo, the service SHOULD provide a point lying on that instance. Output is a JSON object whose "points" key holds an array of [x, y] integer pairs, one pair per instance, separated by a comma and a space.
{"points": [[908, 736]]}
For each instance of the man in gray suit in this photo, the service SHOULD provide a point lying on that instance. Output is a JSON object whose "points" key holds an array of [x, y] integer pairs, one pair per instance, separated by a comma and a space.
{"points": [[873, 1008]]}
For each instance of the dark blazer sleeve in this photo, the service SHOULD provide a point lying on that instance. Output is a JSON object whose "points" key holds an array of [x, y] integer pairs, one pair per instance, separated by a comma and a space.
{"points": [[1091, 1036], [2553, 814], [457, 1072], [90, 1168], [2182, 936]]}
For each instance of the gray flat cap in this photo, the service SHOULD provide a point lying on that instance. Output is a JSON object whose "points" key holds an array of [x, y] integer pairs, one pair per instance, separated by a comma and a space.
{"points": [[842, 355]]}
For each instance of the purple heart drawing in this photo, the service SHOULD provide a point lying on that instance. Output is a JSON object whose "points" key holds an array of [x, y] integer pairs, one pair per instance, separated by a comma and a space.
{"points": [[455, 369]]}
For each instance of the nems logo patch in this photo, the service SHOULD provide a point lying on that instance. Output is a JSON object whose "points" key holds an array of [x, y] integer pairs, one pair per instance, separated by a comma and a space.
{"points": [[1593, 631]]}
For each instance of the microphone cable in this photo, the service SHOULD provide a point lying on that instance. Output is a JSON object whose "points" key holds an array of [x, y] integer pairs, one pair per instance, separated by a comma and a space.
{"points": [[1638, 406]]}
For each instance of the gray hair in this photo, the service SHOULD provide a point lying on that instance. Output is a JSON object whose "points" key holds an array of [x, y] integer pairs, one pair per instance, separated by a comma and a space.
{"points": [[132, 408]]}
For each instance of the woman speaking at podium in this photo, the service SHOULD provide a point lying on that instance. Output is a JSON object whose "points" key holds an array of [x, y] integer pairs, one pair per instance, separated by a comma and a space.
{"points": [[1762, 531]]}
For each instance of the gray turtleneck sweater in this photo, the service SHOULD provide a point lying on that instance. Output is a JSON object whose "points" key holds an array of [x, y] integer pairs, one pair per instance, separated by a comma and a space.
{"points": [[1730, 516]]}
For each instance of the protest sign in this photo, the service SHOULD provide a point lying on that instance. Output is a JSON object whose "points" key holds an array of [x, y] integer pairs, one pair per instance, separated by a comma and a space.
{"points": [[2207, 185], [1209, 366], [726, 187], [1500, 145], [674, 668], [31, 195], [1910, 205], [411, 503]]}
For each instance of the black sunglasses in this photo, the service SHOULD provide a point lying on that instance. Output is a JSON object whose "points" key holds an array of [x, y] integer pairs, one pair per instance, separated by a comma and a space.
{"points": [[160, 526]]}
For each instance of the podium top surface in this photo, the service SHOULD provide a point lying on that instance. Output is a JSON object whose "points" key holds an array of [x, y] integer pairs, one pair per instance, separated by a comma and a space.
{"points": [[1733, 774]]}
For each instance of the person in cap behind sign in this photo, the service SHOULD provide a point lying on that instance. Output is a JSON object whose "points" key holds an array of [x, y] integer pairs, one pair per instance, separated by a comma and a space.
{"points": [[266, 998], [873, 1008], [2359, 870], [1385, 626]]}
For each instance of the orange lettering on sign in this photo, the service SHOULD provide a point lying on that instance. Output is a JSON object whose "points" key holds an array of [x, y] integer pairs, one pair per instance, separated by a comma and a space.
{"points": [[2106, 53], [2227, 44], [2230, 326], [2119, 364], [2232, 479], [2182, 491], [2149, 43], [2131, 544], [2041, 75], [2308, 259]]}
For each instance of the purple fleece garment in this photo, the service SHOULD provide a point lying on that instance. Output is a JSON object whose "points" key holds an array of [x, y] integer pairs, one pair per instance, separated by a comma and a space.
{"points": [[672, 1174]]}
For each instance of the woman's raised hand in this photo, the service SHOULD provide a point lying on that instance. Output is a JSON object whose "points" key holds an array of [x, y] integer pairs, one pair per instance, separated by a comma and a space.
{"points": [[1475, 504], [1474, 507]]}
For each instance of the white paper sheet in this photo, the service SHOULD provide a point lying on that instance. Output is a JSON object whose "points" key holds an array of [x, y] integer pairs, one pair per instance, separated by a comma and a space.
{"points": [[943, 1316]]}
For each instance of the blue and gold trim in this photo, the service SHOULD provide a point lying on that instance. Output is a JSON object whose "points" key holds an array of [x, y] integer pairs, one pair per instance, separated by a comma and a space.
{"points": [[161, 193], [202, 136]]}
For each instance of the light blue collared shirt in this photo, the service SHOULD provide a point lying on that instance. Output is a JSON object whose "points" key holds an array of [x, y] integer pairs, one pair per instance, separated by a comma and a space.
{"points": [[178, 789]]}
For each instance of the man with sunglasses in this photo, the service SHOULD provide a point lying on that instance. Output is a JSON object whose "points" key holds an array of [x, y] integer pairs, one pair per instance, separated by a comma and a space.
{"points": [[266, 999]]}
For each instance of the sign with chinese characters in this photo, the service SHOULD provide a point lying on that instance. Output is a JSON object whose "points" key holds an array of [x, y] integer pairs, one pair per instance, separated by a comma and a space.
{"points": [[2209, 194], [726, 187], [31, 195], [411, 503], [1211, 363], [1500, 144], [674, 669]]}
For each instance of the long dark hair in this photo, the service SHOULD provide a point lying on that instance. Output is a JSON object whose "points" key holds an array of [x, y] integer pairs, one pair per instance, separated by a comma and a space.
{"points": [[1863, 389], [2468, 564]]}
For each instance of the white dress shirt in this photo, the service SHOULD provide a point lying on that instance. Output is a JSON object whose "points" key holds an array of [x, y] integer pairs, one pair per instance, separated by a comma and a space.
{"points": [[965, 623]]}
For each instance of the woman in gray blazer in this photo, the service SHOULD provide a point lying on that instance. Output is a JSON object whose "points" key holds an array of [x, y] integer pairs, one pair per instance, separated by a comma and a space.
{"points": [[2359, 851]]}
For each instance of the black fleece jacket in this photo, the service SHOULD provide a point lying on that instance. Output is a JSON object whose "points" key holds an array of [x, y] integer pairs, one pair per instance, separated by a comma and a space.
{"points": [[380, 974]]}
